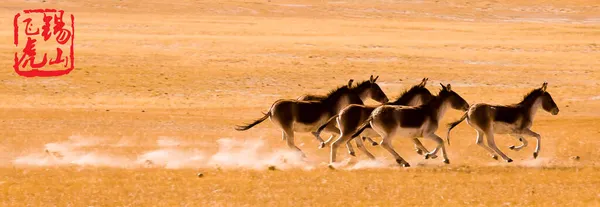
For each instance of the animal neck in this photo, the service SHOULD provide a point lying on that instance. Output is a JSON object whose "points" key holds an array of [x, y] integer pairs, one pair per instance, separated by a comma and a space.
{"points": [[415, 101], [405, 99], [533, 108], [340, 101], [438, 106], [363, 95]]}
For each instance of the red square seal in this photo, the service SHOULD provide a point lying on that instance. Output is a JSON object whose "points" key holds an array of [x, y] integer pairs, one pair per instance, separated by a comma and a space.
{"points": [[44, 38]]}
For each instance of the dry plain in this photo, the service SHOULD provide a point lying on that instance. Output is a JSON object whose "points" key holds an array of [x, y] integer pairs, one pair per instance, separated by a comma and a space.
{"points": [[159, 86]]}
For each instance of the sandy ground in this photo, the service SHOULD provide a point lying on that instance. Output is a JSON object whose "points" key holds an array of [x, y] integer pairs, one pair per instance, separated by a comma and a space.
{"points": [[158, 88]]}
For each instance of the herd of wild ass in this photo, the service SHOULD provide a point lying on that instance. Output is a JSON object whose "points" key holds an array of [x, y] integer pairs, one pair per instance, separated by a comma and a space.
{"points": [[416, 113]]}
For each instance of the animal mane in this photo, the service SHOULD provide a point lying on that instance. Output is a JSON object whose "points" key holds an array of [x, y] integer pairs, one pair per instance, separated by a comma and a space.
{"points": [[334, 93], [405, 92], [531, 96], [361, 84], [311, 97], [345, 87], [435, 98]]}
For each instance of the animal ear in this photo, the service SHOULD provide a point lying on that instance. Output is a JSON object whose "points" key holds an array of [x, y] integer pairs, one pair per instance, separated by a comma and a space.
{"points": [[350, 83], [371, 79], [443, 87], [448, 87], [544, 86], [423, 82], [375, 79]]}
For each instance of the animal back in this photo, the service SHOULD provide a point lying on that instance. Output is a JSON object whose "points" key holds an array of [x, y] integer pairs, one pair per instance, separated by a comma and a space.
{"points": [[412, 118], [308, 112], [507, 114]]}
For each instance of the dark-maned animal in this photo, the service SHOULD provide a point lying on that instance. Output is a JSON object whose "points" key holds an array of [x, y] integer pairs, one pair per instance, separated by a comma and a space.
{"points": [[351, 117], [306, 116], [514, 119], [413, 122]]}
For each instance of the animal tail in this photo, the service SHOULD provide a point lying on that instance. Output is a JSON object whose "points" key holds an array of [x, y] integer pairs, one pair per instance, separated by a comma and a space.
{"points": [[318, 132], [363, 127], [453, 124], [258, 121]]}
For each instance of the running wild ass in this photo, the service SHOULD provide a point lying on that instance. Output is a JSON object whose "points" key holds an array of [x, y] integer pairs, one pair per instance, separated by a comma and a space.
{"points": [[514, 119], [314, 97], [351, 117], [413, 122], [306, 116]]}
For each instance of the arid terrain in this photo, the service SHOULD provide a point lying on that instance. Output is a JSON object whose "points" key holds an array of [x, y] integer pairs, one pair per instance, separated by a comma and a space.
{"points": [[158, 87]]}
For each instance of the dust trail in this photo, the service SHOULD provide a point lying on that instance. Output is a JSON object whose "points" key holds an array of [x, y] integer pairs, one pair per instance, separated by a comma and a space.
{"points": [[250, 154], [170, 154], [72, 152], [172, 158], [342, 164], [167, 142], [232, 153]]}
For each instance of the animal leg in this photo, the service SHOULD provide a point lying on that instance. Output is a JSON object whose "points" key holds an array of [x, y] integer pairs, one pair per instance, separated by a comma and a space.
{"points": [[539, 140], [370, 140], [387, 145], [479, 142], [341, 139], [289, 137], [350, 148], [421, 150], [361, 147], [440, 145], [523, 143], [317, 137], [329, 140], [492, 144], [331, 127]]}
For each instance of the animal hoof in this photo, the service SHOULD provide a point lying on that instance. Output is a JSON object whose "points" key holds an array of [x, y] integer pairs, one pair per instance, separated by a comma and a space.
{"points": [[433, 156], [509, 160], [447, 161], [427, 156], [375, 143], [535, 154], [322, 145], [419, 151], [401, 162], [495, 157], [512, 147], [353, 154], [406, 164], [330, 166]]}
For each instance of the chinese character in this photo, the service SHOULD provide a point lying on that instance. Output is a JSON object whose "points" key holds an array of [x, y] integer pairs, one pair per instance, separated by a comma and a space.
{"points": [[45, 42]]}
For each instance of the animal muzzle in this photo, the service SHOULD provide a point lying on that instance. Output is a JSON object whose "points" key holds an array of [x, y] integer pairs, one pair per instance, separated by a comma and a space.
{"points": [[465, 107], [554, 111]]}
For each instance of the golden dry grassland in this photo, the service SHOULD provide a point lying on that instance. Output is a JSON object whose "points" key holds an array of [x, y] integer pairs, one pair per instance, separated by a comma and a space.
{"points": [[159, 86]]}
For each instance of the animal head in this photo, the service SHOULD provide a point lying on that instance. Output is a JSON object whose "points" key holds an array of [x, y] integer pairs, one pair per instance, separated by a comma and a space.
{"points": [[547, 102], [372, 90], [456, 101]]}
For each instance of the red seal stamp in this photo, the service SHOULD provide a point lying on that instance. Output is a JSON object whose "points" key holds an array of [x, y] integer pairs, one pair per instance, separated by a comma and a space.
{"points": [[44, 38]]}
